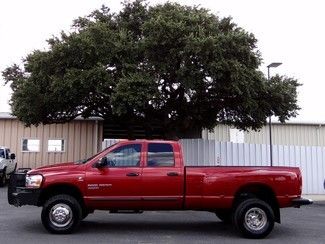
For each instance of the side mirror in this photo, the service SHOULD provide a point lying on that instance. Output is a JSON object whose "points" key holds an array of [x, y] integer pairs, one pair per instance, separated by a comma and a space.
{"points": [[101, 162], [12, 156]]}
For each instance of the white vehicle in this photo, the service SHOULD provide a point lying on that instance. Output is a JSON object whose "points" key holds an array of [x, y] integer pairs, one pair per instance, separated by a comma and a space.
{"points": [[7, 164]]}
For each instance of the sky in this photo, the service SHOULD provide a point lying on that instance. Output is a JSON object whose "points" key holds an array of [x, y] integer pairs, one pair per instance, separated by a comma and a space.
{"points": [[291, 32]]}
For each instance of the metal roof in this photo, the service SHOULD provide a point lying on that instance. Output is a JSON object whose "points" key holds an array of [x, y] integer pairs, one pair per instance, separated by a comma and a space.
{"points": [[300, 122], [7, 115]]}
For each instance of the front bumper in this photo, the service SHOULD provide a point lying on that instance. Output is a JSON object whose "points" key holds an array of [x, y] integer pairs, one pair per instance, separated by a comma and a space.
{"points": [[297, 202], [18, 194], [24, 196]]}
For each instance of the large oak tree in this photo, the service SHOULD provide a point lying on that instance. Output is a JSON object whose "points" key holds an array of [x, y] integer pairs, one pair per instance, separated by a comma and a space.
{"points": [[181, 67]]}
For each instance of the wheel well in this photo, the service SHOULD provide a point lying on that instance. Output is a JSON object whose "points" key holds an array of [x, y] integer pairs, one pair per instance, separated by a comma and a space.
{"points": [[68, 189], [260, 191]]}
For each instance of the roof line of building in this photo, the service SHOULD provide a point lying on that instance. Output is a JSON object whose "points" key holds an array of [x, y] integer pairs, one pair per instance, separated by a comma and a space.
{"points": [[299, 122], [7, 115]]}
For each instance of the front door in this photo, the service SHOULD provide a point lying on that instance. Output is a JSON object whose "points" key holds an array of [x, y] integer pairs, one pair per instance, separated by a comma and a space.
{"points": [[117, 185]]}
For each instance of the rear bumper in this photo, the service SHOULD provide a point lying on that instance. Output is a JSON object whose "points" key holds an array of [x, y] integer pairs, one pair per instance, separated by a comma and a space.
{"points": [[18, 194], [297, 202]]}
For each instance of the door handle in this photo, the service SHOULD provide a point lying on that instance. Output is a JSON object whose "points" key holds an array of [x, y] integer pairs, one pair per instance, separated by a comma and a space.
{"points": [[172, 174], [132, 174]]}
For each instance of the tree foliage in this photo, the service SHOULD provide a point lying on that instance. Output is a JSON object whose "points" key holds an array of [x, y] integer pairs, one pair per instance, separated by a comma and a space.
{"points": [[178, 66]]}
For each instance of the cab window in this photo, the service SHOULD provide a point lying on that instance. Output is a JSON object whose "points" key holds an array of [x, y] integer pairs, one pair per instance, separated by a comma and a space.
{"points": [[160, 155], [125, 156]]}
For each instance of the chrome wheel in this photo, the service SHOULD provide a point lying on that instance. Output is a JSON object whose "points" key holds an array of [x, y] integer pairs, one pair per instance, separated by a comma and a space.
{"points": [[255, 219], [60, 215]]}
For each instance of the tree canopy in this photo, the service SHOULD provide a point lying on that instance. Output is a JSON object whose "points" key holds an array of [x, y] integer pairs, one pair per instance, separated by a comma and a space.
{"points": [[177, 66]]}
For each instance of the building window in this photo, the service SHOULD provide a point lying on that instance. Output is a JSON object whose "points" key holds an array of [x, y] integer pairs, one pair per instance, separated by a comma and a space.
{"points": [[237, 136], [56, 145], [30, 145]]}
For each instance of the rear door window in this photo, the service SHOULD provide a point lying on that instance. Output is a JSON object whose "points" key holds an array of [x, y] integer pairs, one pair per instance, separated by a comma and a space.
{"points": [[160, 155]]}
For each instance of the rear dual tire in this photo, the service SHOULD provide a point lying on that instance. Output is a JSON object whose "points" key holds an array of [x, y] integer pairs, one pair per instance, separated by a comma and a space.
{"points": [[253, 218]]}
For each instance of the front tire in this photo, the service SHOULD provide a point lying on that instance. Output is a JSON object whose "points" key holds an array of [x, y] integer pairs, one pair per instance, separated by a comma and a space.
{"points": [[61, 214], [254, 218]]}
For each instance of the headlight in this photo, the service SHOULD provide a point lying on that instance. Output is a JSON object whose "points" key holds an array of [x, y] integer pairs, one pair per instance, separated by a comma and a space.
{"points": [[33, 181]]}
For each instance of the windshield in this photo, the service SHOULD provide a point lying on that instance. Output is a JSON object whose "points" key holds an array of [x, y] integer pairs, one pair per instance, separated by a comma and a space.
{"points": [[83, 161]]}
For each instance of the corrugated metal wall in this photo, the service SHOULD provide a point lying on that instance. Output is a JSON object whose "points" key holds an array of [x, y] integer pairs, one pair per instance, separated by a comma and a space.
{"points": [[82, 139], [282, 134], [108, 142], [310, 160]]}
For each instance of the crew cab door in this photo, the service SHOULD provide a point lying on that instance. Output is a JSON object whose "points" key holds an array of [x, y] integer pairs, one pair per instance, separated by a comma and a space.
{"points": [[162, 177], [117, 185]]}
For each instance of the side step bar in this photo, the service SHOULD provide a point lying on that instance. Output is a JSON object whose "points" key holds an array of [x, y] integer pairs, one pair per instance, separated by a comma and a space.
{"points": [[126, 211]]}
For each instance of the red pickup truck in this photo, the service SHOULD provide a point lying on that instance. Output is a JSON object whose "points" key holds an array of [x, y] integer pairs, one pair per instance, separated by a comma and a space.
{"points": [[150, 175]]}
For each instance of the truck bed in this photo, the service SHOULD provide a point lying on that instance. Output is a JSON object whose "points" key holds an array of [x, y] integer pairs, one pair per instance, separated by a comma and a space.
{"points": [[211, 187]]}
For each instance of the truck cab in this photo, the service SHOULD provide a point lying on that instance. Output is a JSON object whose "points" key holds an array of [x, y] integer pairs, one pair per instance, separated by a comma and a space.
{"points": [[138, 175]]}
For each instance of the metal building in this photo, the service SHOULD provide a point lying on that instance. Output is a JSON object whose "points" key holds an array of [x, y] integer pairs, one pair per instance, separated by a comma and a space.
{"points": [[46, 144], [290, 134]]}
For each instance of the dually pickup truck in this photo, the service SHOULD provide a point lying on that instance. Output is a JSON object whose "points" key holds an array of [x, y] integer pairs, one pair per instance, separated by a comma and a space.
{"points": [[138, 175]]}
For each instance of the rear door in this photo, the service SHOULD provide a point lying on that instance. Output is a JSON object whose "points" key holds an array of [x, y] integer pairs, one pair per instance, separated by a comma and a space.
{"points": [[162, 176]]}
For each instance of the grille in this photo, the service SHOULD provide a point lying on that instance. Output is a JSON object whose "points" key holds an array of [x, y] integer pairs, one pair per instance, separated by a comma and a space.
{"points": [[17, 179]]}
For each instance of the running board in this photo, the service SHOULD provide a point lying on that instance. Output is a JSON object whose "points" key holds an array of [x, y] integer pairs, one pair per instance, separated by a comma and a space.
{"points": [[126, 211]]}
